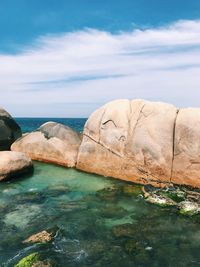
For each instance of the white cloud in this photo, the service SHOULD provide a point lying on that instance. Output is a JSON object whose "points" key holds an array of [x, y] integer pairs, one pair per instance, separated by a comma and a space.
{"points": [[91, 67]]}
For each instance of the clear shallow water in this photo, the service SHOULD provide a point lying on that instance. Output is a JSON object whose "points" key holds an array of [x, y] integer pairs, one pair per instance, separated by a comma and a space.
{"points": [[101, 221]]}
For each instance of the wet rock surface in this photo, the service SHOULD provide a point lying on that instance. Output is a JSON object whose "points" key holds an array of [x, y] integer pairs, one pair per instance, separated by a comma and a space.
{"points": [[185, 199]]}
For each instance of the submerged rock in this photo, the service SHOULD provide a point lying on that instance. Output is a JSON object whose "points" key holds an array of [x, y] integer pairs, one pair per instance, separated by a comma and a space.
{"points": [[189, 208], [124, 230], [113, 211], [9, 130], [13, 164], [108, 193], [41, 237], [33, 260], [132, 190], [160, 200], [52, 142], [28, 261]]}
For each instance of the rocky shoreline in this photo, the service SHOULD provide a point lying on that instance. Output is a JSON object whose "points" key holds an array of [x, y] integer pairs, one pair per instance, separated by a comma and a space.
{"points": [[144, 142]]}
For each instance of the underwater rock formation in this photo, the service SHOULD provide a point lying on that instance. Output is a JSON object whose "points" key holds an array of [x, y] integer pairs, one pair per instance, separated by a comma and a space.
{"points": [[9, 130], [52, 142], [143, 142], [13, 164]]}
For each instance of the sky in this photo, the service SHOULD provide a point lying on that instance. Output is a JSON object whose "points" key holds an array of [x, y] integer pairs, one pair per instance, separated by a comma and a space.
{"points": [[64, 58]]}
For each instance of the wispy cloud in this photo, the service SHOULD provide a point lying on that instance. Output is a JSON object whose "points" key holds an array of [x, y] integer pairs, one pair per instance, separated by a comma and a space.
{"points": [[93, 66]]}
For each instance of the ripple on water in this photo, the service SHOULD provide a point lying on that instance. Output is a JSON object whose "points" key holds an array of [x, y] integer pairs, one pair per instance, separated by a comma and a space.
{"points": [[101, 222]]}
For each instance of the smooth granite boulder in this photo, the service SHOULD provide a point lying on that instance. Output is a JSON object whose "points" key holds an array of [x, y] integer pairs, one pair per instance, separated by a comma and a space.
{"points": [[186, 165], [9, 130], [130, 140], [13, 164], [52, 142]]}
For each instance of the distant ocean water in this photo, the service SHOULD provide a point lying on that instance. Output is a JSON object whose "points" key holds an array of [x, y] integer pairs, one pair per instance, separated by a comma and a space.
{"points": [[31, 124]]}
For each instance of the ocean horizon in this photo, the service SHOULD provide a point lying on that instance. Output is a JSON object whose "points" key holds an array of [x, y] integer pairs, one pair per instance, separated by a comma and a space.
{"points": [[31, 124]]}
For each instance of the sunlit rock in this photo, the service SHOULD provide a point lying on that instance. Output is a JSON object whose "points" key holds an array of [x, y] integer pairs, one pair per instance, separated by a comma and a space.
{"points": [[52, 142], [13, 164]]}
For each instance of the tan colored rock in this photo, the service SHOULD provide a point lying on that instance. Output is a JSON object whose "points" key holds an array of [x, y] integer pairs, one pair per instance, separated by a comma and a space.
{"points": [[13, 164], [9, 130], [41, 237], [130, 140], [186, 165], [52, 142]]}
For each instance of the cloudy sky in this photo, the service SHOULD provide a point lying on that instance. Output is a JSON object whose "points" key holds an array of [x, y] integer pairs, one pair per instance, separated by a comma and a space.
{"points": [[63, 58]]}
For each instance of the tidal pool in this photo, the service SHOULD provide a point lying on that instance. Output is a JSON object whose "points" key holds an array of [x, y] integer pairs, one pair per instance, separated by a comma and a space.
{"points": [[100, 222]]}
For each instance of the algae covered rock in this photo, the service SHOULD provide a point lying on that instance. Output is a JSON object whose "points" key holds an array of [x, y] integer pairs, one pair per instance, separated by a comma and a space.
{"points": [[9, 130], [29, 260], [160, 200], [34, 260], [189, 208], [124, 230]]}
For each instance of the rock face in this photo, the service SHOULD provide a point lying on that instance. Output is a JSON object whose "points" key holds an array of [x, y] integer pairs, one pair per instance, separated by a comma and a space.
{"points": [[144, 142], [13, 164], [52, 142], [9, 130], [186, 166], [131, 140]]}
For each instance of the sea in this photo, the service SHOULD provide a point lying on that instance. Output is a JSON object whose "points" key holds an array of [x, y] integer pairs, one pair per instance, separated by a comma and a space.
{"points": [[96, 221]]}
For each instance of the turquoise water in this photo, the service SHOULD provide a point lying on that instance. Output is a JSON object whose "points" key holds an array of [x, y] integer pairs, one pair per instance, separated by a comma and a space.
{"points": [[100, 222], [31, 124]]}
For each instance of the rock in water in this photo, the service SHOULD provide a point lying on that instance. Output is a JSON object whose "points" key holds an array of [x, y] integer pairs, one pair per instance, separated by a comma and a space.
{"points": [[131, 140], [9, 130], [41, 237], [13, 164], [52, 142]]}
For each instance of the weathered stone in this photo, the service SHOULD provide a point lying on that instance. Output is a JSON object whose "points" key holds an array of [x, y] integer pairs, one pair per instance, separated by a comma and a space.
{"points": [[13, 164], [9, 130], [186, 164], [52, 142], [130, 140], [41, 237]]}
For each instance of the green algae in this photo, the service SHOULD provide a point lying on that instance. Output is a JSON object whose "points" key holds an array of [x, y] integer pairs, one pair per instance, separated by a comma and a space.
{"points": [[29, 260]]}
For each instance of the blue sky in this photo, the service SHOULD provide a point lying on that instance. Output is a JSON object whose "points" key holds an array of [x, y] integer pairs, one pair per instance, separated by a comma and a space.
{"points": [[66, 58]]}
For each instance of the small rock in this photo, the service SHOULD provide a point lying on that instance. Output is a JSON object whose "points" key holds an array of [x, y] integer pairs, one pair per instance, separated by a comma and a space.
{"points": [[41, 237], [28, 261], [188, 208], [160, 200]]}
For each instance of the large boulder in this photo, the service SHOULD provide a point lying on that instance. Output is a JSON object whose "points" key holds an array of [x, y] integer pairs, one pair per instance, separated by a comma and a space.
{"points": [[131, 140], [9, 130], [186, 165], [13, 164], [52, 142]]}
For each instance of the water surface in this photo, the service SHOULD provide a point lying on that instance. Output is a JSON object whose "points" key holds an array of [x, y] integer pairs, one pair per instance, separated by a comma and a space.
{"points": [[100, 222]]}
